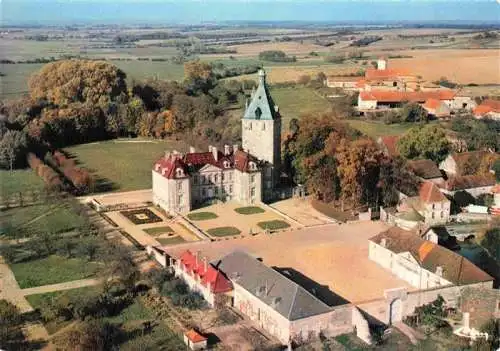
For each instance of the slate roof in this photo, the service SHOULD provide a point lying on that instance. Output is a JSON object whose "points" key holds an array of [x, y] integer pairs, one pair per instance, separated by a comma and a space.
{"points": [[400, 96], [262, 102], [193, 162], [425, 169], [456, 268], [271, 287]]}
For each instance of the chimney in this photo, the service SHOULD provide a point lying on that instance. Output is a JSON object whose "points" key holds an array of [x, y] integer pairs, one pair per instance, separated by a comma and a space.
{"points": [[167, 155], [466, 321], [276, 108], [197, 257], [210, 148], [439, 271], [235, 148], [205, 263], [192, 150], [383, 242], [209, 286], [215, 153], [227, 149]]}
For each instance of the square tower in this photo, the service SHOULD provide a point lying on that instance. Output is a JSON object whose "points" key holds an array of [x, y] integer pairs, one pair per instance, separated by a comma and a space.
{"points": [[261, 132]]}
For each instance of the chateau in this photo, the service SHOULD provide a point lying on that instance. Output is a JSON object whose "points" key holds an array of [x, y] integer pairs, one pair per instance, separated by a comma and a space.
{"points": [[248, 174]]}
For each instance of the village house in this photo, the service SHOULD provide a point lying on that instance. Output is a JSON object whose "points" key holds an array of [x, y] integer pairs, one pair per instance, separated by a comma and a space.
{"points": [[194, 340], [488, 109], [249, 175], [203, 278], [278, 305], [437, 108], [426, 170], [475, 185], [388, 144], [422, 263], [381, 99], [430, 204]]}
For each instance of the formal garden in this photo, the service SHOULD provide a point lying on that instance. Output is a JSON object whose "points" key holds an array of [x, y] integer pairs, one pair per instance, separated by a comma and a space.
{"points": [[223, 231]]}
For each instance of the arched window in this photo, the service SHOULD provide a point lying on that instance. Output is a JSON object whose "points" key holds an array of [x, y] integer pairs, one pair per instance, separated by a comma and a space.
{"points": [[179, 172], [258, 113]]}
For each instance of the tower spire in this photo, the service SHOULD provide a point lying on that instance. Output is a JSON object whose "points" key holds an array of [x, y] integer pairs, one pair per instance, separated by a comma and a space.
{"points": [[262, 76]]}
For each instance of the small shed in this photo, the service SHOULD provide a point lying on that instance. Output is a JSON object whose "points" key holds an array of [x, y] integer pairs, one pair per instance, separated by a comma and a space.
{"points": [[194, 340]]}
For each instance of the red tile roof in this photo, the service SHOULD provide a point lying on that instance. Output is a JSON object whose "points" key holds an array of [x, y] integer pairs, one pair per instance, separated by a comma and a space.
{"points": [[432, 103], [390, 141], [194, 336], [218, 282], [470, 182], [429, 193], [487, 106], [166, 166], [411, 96], [373, 73]]}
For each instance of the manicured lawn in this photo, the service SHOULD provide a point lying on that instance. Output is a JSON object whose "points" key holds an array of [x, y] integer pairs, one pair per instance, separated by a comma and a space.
{"points": [[248, 210], [273, 225], [223, 231], [171, 241], [376, 129], [201, 216], [123, 164], [19, 180], [158, 230], [52, 270], [296, 101]]}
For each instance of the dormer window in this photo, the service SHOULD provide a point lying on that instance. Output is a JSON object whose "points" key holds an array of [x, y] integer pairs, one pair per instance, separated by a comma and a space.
{"points": [[179, 172], [258, 113], [252, 166], [226, 164], [157, 167], [163, 171]]}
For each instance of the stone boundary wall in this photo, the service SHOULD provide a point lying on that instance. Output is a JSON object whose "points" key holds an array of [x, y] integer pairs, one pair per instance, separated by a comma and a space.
{"points": [[192, 227]]}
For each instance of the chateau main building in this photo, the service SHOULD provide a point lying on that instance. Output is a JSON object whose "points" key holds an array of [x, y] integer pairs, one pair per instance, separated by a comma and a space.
{"points": [[248, 175]]}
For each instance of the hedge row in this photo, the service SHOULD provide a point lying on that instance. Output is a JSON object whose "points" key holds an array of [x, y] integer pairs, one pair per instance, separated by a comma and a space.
{"points": [[49, 176], [79, 177]]}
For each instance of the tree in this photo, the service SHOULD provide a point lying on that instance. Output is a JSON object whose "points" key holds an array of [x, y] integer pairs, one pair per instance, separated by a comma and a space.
{"points": [[424, 142], [11, 334], [93, 335], [491, 242], [199, 76], [89, 248], [66, 81], [413, 112], [13, 148], [496, 168]]}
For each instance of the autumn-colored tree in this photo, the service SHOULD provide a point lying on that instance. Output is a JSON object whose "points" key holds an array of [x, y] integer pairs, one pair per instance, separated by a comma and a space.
{"points": [[169, 120], [198, 76], [66, 81]]}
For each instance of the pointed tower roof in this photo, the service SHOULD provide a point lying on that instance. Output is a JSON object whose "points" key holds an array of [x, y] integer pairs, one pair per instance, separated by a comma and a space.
{"points": [[261, 106]]}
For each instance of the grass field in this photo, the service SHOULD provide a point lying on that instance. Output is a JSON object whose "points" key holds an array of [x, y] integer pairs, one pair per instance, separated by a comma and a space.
{"points": [[47, 218], [19, 180], [376, 129], [224, 231], [52, 270], [158, 230], [171, 241], [123, 165], [297, 101]]}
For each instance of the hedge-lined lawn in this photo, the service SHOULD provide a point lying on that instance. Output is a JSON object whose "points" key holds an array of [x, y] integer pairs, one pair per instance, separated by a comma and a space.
{"points": [[19, 181], [158, 230], [248, 210], [171, 241], [273, 225], [123, 164], [52, 270], [201, 216], [223, 231]]}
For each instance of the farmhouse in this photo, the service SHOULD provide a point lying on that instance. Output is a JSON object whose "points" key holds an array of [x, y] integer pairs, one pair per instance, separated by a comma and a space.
{"points": [[182, 182], [388, 144], [380, 99], [488, 108], [436, 108], [475, 185], [422, 263]]}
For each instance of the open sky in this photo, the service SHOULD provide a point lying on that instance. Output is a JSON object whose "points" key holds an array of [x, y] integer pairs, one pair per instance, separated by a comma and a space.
{"points": [[196, 11]]}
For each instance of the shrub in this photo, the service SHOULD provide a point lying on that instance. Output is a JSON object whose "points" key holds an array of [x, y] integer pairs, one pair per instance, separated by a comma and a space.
{"points": [[276, 56]]}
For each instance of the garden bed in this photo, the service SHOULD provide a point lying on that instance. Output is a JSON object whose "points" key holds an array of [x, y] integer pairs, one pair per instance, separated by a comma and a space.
{"points": [[171, 241], [158, 231], [201, 216], [224, 231], [141, 216], [273, 225], [249, 210]]}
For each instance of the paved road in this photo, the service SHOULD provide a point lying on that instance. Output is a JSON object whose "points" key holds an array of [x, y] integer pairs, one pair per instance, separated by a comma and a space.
{"points": [[60, 287]]}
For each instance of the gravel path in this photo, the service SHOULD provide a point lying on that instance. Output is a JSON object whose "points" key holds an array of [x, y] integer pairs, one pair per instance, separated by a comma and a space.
{"points": [[60, 286]]}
